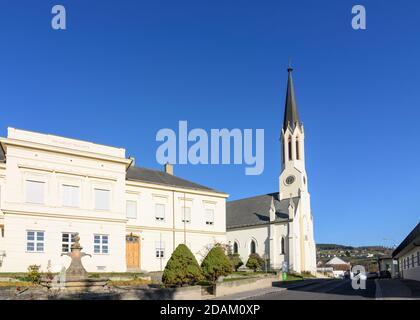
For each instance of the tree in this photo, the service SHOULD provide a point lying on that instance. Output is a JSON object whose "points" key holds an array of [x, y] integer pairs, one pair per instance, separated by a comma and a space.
{"points": [[254, 261], [235, 261], [216, 264], [182, 268]]}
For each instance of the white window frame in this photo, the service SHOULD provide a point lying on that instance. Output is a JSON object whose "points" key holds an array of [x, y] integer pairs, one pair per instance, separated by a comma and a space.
{"points": [[35, 241], [127, 205], [69, 242], [209, 221], [75, 199], [186, 214], [106, 207], [160, 217], [101, 244], [27, 194], [160, 250]]}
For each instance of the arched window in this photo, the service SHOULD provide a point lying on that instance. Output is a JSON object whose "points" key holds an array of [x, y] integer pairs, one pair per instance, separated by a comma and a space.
{"points": [[235, 247], [253, 247], [289, 147], [282, 247], [283, 151], [297, 150]]}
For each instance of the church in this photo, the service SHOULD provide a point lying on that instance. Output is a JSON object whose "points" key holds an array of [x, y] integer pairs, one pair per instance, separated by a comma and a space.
{"points": [[279, 226]]}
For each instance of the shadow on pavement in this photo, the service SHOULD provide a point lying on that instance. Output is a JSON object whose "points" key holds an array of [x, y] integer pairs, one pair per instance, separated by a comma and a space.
{"points": [[330, 286]]}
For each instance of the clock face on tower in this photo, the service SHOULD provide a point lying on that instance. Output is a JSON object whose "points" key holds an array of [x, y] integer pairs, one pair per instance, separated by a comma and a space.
{"points": [[289, 180]]}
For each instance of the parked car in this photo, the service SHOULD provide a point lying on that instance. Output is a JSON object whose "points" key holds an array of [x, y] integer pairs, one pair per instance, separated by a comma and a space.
{"points": [[385, 274]]}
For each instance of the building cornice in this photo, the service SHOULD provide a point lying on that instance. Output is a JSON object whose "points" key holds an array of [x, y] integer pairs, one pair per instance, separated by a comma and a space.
{"points": [[80, 174], [63, 216], [63, 150]]}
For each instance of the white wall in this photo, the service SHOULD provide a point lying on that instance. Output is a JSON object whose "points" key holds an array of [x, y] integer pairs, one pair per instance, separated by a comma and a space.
{"points": [[408, 271], [244, 237]]}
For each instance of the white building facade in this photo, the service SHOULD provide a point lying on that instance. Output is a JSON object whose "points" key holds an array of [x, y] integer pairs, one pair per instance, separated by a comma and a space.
{"points": [[279, 226], [128, 218], [407, 255]]}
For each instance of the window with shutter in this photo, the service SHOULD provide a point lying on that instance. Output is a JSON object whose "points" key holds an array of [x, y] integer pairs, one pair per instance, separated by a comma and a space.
{"points": [[71, 196], [102, 199], [209, 216], [160, 211], [35, 191], [131, 209]]}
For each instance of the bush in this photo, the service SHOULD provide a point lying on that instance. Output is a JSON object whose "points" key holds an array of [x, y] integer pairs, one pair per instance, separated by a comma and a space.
{"points": [[182, 268], [235, 261], [216, 264], [34, 275], [254, 261]]}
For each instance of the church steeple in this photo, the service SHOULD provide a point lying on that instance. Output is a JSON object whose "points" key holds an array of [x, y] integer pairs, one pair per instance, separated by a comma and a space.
{"points": [[291, 114], [293, 178]]}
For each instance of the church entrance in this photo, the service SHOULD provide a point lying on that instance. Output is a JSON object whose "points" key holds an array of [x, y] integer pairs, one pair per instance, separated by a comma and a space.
{"points": [[132, 252]]}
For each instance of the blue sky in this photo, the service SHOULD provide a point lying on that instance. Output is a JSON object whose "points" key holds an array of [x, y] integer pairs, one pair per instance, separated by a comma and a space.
{"points": [[123, 70]]}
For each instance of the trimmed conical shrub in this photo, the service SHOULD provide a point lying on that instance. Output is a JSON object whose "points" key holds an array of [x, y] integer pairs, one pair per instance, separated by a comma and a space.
{"points": [[182, 268], [216, 264], [254, 261]]}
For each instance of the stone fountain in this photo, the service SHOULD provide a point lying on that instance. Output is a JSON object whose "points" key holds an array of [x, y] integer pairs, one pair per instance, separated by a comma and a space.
{"points": [[76, 277]]}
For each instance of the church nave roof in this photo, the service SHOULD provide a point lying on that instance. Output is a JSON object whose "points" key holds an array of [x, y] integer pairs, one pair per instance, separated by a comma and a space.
{"points": [[255, 211]]}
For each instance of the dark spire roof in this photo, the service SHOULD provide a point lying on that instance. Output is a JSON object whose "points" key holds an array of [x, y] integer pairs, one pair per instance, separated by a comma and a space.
{"points": [[291, 114]]}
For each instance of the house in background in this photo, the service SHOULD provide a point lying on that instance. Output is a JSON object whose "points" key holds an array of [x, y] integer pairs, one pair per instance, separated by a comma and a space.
{"points": [[339, 267], [128, 218], [408, 256], [387, 265]]}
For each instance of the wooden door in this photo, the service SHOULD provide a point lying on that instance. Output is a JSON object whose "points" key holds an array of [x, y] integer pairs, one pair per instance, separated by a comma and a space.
{"points": [[132, 252]]}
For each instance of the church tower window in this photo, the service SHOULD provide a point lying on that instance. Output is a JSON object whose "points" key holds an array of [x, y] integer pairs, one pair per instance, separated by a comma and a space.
{"points": [[297, 150], [290, 148]]}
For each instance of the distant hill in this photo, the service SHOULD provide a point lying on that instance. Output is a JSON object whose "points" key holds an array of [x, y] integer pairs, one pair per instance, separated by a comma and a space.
{"points": [[364, 255], [330, 246]]}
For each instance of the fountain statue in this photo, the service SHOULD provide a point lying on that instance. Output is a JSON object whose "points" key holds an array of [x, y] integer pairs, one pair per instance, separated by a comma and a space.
{"points": [[76, 271], [76, 277]]}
